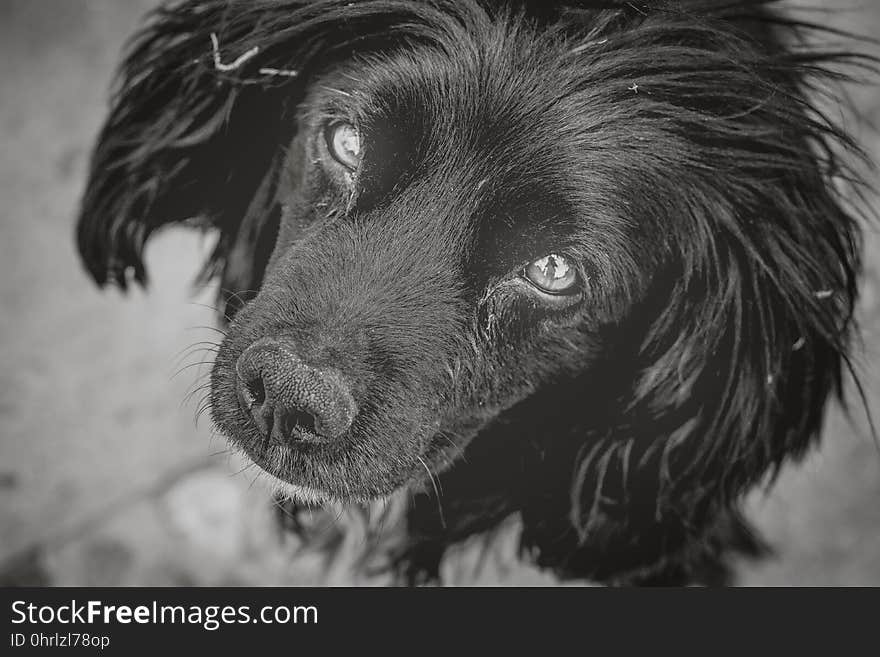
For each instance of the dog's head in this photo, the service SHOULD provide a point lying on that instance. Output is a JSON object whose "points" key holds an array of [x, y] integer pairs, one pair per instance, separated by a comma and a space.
{"points": [[618, 218]]}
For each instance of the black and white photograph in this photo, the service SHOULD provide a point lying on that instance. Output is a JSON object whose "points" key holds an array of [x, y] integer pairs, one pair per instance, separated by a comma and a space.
{"points": [[439, 293]]}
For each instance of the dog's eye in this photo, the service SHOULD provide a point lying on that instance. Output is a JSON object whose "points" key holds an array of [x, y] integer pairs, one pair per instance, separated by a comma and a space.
{"points": [[553, 274], [344, 144]]}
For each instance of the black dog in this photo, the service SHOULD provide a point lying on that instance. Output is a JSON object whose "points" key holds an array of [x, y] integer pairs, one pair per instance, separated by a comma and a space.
{"points": [[585, 262]]}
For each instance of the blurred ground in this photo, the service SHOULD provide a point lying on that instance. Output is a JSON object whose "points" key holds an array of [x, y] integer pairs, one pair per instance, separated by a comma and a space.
{"points": [[103, 477]]}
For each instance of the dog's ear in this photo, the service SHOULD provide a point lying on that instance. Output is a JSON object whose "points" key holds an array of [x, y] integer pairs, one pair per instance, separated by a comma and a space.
{"points": [[191, 136], [747, 331], [187, 139], [204, 105]]}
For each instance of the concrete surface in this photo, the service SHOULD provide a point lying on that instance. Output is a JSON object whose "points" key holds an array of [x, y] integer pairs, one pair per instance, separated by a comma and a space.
{"points": [[103, 477]]}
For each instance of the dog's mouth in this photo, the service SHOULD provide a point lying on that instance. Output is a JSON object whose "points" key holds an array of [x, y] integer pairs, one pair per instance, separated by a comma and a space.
{"points": [[318, 438], [312, 469]]}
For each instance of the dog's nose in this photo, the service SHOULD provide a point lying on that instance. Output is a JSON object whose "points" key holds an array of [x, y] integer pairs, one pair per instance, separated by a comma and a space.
{"points": [[290, 400]]}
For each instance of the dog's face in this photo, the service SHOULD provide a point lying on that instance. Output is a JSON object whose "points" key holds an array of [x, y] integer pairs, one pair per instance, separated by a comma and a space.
{"points": [[443, 250], [594, 254]]}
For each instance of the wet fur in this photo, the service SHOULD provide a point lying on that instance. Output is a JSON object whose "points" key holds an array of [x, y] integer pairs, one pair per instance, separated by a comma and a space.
{"points": [[676, 148]]}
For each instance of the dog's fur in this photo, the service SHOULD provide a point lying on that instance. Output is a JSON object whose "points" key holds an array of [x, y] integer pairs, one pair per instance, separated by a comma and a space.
{"points": [[673, 149]]}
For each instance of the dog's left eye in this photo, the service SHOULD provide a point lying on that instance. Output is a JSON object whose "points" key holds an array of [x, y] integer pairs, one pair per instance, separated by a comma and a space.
{"points": [[344, 144], [553, 274]]}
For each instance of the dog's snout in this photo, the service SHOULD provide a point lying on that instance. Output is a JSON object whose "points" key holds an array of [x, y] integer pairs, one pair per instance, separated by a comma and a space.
{"points": [[288, 399]]}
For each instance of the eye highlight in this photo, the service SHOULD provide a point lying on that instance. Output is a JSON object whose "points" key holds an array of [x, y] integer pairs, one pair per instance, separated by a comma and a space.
{"points": [[344, 144], [553, 274]]}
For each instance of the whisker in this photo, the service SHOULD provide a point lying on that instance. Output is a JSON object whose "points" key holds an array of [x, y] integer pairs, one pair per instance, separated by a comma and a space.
{"points": [[192, 394], [191, 365], [201, 327], [195, 347], [436, 490]]}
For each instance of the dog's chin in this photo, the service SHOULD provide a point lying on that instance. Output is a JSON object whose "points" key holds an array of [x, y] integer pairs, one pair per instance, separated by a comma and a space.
{"points": [[302, 495], [328, 474], [282, 479]]}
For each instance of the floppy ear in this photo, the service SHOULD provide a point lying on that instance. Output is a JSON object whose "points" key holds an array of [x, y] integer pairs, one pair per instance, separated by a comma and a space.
{"points": [[204, 104], [188, 138], [183, 141], [746, 333]]}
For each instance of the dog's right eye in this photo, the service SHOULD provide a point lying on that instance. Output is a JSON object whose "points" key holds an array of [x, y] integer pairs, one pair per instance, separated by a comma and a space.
{"points": [[344, 144], [552, 274]]}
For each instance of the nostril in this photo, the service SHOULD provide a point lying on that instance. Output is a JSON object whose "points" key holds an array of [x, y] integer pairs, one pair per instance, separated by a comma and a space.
{"points": [[252, 397], [255, 392], [300, 420]]}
